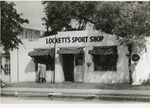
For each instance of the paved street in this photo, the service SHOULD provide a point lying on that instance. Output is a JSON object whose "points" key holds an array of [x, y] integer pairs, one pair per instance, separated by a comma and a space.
{"points": [[31, 92], [47, 100]]}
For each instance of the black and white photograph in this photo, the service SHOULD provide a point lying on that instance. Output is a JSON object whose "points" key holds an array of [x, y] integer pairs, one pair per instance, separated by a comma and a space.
{"points": [[75, 52]]}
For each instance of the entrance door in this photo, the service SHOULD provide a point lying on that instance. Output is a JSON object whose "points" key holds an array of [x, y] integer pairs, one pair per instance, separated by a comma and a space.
{"points": [[68, 67]]}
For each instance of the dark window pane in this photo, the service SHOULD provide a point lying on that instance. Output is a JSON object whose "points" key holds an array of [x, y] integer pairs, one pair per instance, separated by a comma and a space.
{"points": [[47, 60], [105, 62]]}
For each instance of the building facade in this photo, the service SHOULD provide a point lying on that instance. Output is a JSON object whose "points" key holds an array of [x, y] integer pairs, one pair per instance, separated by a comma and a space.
{"points": [[79, 56], [76, 56], [7, 65], [102, 58]]}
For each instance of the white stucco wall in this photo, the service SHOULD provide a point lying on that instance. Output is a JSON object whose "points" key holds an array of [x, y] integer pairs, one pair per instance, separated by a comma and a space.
{"points": [[26, 64], [22, 65], [148, 60], [13, 65], [23, 68], [59, 74], [141, 70]]}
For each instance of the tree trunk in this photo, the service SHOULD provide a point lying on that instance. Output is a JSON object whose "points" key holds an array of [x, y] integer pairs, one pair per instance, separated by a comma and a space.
{"points": [[129, 64]]}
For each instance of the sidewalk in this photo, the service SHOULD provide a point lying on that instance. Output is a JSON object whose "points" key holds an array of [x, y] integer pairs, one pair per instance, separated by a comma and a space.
{"points": [[79, 90], [72, 85]]}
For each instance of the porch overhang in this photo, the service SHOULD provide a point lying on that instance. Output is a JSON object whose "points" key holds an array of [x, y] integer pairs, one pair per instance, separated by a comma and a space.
{"points": [[41, 52], [103, 50], [70, 51]]}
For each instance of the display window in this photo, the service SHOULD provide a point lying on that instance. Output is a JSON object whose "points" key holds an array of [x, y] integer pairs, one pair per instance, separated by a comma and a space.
{"points": [[105, 62], [47, 60], [105, 58]]}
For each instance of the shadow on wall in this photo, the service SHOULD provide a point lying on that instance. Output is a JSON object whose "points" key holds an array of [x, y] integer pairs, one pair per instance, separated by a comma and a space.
{"points": [[30, 67]]}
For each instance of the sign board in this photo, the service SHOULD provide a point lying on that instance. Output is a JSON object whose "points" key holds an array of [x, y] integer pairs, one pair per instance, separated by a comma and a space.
{"points": [[135, 57], [68, 39]]}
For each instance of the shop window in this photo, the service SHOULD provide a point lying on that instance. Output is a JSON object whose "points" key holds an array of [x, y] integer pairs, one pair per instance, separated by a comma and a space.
{"points": [[47, 60], [7, 65], [105, 62], [79, 61], [105, 59]]}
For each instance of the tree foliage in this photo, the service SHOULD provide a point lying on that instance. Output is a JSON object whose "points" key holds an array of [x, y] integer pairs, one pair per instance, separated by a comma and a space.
{"points": [[128, 20], [10, 26], [60, 15]]}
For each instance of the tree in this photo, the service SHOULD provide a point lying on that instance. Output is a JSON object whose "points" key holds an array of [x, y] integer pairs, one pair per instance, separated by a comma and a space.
{"points": [[60, 15], [130, 21], [10, 26]]}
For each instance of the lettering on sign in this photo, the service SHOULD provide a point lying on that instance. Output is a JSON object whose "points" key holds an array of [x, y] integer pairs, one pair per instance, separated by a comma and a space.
{"points": [[74, 39]]}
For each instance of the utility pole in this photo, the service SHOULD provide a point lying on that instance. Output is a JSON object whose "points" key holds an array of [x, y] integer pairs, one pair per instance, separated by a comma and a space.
{"points": [[54, 59]]}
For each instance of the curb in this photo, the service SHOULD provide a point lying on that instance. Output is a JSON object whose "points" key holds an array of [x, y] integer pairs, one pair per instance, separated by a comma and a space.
{"points": [[85, 96]]}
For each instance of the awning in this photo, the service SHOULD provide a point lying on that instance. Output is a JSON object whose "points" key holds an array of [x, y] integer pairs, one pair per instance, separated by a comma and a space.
{"points": [[70, 51], [41, 52], [103, 50]]}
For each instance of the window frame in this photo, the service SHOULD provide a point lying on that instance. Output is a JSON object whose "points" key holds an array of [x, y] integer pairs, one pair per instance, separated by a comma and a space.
{"points": [[7, 65], [49, 66], [106, 59]]}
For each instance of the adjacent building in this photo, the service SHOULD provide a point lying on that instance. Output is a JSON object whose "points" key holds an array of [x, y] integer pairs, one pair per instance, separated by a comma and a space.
{"points": [[6, 60]]}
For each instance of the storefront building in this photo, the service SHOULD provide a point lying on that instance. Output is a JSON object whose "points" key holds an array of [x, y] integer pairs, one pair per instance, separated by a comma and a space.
{"points": [[76, 56], [91, 57]]}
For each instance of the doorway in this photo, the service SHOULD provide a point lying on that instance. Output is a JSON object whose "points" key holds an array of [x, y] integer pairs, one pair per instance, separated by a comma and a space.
{"points": [[68, 67]]}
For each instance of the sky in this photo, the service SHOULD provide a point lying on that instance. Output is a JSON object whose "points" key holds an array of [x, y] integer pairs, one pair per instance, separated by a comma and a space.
{"points": [[33, 11]]}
